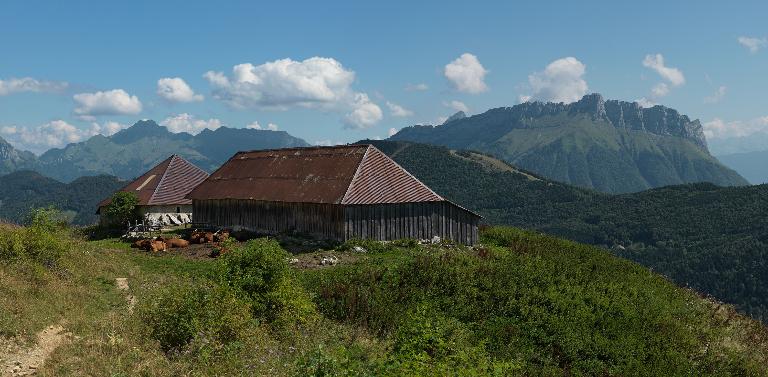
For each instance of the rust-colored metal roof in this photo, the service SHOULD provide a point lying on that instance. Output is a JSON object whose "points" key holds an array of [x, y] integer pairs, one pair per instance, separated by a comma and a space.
{"points": [[349, 174], [168, 183]]}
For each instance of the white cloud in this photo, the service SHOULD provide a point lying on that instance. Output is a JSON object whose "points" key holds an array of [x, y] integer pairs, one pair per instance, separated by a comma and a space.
{"points": [[656, 63], [364, 114], [28, 84], [112, 102], [392, 131], [457, 106], [188, 123], [717, 96], [254, 126], [524, 98], [398, 111], [561, 81], [175, 89], [54, 134], [719, 129], [753, 44], [420, 87], [466, 74], [107, 128], [316, 83], [440, 120], [327, 143], [645, 102], [272, 127], [660, 90]]}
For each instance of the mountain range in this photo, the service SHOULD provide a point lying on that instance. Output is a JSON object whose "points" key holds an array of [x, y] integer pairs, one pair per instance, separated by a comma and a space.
{"points": [[132, 151], [607, 145], [752, 165]]}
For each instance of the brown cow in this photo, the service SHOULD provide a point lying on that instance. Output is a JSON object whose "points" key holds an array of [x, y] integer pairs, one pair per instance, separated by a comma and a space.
{"points": [[201, 237], [176, 243], [221, 235], [157, 246]]}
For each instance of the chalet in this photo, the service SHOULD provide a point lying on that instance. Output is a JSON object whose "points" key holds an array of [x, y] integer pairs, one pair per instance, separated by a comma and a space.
{"points": [[340, 193], [162, 192]]}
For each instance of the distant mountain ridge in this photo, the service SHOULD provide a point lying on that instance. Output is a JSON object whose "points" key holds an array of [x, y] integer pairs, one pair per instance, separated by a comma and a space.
{"points": [[12, 159], [612, 146], [132, 151]]}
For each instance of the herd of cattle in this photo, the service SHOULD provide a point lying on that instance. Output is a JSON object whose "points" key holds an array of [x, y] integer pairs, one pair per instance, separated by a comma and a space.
{"points": [[161, 243]]}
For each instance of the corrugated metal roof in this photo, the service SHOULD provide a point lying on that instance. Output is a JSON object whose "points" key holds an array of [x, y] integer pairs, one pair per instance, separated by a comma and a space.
{"points": [[379, 179], [167, 183], [350, 174]]}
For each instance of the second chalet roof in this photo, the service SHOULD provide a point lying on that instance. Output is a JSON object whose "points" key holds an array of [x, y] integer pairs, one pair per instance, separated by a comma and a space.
{"points": [[350, 174], [168, 183]]}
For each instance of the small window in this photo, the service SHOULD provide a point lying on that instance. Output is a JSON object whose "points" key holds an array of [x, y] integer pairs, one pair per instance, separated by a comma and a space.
{"points": [[178, 209]]}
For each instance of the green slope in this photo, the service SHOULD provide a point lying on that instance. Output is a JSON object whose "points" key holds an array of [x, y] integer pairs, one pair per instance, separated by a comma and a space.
{"points": [[714, 239], [587, 144], [24, 190]]}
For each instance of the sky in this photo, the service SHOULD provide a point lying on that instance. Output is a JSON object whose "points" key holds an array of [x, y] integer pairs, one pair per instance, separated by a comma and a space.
{"points": [[337, 72]]}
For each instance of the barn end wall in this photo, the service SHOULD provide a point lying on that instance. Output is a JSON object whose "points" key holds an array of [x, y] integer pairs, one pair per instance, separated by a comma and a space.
{"points": [[319, 220], [421, 220]]}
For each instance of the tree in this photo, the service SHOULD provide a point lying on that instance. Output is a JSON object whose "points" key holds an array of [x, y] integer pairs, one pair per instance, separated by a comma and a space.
{"points": [[122, 208]]}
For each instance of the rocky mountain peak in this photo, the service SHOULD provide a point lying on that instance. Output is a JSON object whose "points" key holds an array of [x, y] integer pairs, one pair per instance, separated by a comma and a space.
{"points": [[458, 115]]}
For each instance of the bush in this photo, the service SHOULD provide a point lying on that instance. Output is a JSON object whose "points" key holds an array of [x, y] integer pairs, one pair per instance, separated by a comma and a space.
{"points": [[203, 319], [258, 271], [122, 208], [43, 241], [370, 246]]}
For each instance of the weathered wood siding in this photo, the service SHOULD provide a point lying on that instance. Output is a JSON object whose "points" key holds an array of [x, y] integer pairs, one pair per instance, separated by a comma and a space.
{"points": [[320, 220], [382, 222], [422, 220]]}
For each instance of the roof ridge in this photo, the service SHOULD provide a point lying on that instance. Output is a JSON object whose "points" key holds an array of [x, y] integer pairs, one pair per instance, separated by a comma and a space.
{"points": [[304, 148], [357, 172], [165, 173]]}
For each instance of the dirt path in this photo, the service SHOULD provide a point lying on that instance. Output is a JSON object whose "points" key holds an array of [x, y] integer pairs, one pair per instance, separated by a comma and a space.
{"points": [[26, 361], [122, 285]]}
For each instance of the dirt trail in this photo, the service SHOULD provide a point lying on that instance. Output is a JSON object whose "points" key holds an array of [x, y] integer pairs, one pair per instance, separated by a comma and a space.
{"points": [[122, 285], [26, 361]]}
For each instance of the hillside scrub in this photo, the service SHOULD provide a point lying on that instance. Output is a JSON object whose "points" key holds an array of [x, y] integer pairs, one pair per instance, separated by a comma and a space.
{"points": [[523, 304], [532, 304]]}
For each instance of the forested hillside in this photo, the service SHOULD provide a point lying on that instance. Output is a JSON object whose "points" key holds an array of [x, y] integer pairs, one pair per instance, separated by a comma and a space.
{"points": [[714, 239], [25, 190]]}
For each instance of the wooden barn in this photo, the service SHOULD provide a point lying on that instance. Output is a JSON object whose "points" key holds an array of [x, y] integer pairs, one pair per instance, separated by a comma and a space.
{"points": [[340, 193], [162, 192]]}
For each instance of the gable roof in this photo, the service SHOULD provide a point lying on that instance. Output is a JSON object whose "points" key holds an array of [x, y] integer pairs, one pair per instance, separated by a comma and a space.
{"points": [[349, 174], [167, 183]]}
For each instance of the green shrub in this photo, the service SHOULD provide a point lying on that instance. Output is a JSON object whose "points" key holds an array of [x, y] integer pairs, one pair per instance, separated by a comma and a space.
{"points": [[122, 208], [258, 271], [370, 246], [43, 241], [199, 318]]}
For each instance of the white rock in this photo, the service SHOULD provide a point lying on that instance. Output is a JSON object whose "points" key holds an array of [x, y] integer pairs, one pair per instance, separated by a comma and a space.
{"points": [[435, 239], [359, 249]]}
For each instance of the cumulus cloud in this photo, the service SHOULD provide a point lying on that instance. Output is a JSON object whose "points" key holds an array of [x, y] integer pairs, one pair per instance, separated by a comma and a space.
{"points": [[753, 44], [254, 126], [720, 129], [54, 134], [185, 122], [466, 74], [398, 111], [112, 102], [175, 89], [392, 131], [272, 127], [364, 114], [327, 143], [561, 81], [660, 90], [656, 63], [717, 96], [456, 106], [645, 102], [420, 87], [28, 84], [317, 83]]}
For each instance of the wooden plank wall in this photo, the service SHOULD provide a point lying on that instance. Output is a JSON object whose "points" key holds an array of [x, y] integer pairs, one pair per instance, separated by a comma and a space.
{"points": [[382, 222], [422, 220], [321, 220]]}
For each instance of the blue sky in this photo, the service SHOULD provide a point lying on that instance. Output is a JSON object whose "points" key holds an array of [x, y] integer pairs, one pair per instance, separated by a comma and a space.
{"points": [[72, 69]]}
